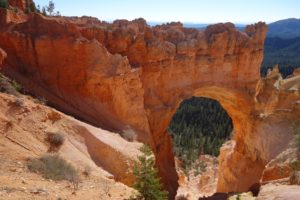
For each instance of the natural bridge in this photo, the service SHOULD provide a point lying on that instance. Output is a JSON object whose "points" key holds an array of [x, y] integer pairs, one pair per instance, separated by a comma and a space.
{"points": [[130, 75]]}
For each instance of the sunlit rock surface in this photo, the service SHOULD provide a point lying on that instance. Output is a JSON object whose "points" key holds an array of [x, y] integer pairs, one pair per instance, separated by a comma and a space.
{"points": [[130, 75]]}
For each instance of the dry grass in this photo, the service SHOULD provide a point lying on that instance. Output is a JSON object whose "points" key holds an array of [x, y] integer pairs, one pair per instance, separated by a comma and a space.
{"points": [[53, 167], [129, 135], [56, 140]]}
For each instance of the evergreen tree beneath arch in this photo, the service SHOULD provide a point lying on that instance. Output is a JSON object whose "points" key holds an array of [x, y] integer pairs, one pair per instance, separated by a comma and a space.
{"points": [[147, 181]]}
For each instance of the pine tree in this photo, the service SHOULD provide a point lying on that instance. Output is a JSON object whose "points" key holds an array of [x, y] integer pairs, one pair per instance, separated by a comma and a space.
{"points": [[44, 11], [147, 181], [3, 4], [50, 8]]}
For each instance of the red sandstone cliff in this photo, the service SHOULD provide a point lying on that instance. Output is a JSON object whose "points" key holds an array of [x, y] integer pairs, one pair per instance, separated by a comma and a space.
{"points": [[129, 74], [22, 5]]}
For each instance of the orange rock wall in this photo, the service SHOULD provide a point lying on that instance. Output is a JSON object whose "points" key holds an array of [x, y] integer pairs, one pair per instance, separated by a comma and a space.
{"points": [[128, 74], [10, 16], [20, 4]]}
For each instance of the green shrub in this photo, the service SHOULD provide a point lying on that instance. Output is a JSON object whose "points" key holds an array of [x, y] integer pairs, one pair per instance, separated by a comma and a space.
{"points": [[32, 7], [294, 165], [6, 85], [3, 4], [16, 85], [53, 167], [147, 182]]}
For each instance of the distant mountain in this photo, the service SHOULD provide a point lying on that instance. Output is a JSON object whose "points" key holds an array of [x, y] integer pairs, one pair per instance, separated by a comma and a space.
{"points": [[282, 46], [240, 27], [194, 25], [284, 52], [199, 26], [286, 29]]}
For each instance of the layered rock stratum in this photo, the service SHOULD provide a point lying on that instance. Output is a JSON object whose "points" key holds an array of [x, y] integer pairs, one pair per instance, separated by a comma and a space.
{"points": [[128, 75]]}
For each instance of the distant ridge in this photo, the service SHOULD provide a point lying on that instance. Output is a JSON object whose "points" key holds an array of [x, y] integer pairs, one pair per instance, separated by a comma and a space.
{"points": [[285, 29], [185, 24], [199, 26], [282, 46]]}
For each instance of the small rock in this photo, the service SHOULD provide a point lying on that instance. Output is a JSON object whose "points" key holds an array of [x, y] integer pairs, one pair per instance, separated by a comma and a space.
{"points": [[34, 191], [13, 169], [41, 191], [23, 180], [110, 177]]}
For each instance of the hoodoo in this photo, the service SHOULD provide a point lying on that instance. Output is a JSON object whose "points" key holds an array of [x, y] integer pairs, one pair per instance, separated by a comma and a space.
{"points": [[130, 75]]}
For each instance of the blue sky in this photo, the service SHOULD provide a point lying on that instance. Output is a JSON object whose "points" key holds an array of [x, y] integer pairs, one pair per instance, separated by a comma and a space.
{"points": [[196, 11]]}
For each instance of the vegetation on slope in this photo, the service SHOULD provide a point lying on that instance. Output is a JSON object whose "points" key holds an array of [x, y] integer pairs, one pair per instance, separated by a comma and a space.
{"points": [[284, 52], [53, 167], [200, 126], [147, 181]]}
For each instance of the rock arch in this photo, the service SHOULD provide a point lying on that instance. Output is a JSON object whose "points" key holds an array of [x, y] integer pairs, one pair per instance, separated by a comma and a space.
{"points": [[128, 73]]}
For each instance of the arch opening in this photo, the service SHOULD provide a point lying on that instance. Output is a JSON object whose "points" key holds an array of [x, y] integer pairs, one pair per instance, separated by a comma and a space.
{"points": [[239, 164], [198, 129], [199, 126]]}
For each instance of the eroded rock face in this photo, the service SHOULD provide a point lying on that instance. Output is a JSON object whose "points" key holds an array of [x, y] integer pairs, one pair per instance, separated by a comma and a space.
{"points": [[127, 74], [20, 4]]}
